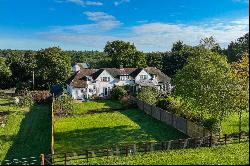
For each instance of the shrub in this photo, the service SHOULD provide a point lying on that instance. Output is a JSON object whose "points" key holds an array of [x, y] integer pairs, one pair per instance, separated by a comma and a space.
{"points": [[26, 101], [41, 97], [148, 95], [118, 92], [212, 124], [127, 101], [63, 105]]}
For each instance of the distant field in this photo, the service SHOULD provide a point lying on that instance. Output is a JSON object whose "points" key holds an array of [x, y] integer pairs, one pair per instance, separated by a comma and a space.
{"points": [[104, 129], [26, 133], [84, 107], [234, 154], [231, 123]]}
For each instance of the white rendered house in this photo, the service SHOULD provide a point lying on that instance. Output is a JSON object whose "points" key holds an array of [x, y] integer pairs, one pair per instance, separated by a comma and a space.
{"points": [[85, 83]]}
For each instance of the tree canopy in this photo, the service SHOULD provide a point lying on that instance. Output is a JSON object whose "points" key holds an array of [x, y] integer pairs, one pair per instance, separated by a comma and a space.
{"points": [[53, 67], [124, 54], [207, 81]]}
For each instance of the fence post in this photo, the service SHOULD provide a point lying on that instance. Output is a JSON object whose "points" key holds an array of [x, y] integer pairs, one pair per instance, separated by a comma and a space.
{"points": [[210, 140], [239, 136], [42, 159], [225, 139], [87, 156], [65, 158]]}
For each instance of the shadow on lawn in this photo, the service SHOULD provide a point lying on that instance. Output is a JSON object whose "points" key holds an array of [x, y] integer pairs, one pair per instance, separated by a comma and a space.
{"points": [[34, 136], [149, 129]]}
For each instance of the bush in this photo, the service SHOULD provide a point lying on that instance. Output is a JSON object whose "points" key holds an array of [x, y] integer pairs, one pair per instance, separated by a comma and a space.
{"points": [[118, 92], [148, 95], [41, 97], [63, 106], [212, 124], [26, 101], [127, 101]]}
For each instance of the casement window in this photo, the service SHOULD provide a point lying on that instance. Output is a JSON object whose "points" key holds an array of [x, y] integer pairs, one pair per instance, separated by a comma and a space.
{"points": [[124, 78], [143, 77], [105, 79]]}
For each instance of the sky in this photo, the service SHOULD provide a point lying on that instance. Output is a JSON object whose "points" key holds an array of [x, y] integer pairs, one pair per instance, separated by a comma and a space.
{"points": [[152, 25]]}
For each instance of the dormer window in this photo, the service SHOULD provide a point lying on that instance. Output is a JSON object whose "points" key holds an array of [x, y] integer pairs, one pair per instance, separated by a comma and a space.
{"points": [[153, 76], [143, 77], [105, 79], [89, 78]]}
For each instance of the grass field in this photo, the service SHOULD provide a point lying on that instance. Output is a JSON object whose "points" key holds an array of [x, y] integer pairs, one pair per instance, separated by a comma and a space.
{"points": [[231, 123], [104, 129], [234, 154], [84, 107], [27, 132]]}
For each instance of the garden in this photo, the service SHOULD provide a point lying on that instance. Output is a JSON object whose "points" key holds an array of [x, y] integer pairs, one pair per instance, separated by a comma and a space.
{"points": [[24, 133], [98, 130]]}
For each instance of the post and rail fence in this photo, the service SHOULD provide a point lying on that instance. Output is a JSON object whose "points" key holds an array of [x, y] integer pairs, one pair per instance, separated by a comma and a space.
{"points": [[144, 147]]}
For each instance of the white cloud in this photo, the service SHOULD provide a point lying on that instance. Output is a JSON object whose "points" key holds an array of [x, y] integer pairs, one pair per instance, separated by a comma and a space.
{"points": [[102, 22], [117, 3], [82, 2], [149, 36]]}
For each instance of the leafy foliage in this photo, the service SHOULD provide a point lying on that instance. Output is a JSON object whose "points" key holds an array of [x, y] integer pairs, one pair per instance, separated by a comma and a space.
{"points": [[26, 101], [237, 48], [241, 72], [53, 67], [211, 44], [177, 59], [212, 124], [118, 92], [208, 83], [5, 73], [148, 95], [124, 54], [63, 105]]}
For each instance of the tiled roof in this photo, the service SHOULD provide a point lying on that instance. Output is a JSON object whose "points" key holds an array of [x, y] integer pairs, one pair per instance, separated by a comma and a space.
{"points": [[161, 77], [78, 80]]}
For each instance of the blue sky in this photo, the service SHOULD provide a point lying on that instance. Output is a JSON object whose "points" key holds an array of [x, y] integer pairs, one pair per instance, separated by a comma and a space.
{"points": [[152, 25]]}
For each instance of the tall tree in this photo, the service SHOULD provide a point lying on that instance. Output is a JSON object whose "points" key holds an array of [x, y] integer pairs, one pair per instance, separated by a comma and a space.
{"points": [[241, 73], [53, 67], [211, 44], [5, 73], [208, 82], [236, 49], [155, 59], [124, 54], [177, 58]]}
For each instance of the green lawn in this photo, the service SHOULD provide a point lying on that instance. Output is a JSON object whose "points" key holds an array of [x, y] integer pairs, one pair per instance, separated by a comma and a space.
{"points": [[27, 132], [234, 154], [84, 107], [104, 129], [231, 123]]}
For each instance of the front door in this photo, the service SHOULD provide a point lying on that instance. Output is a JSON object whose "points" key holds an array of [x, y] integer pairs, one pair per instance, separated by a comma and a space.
{"points": [[105, 90]]}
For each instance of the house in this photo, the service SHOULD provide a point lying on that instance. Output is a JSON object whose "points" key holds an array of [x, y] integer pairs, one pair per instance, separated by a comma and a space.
{"points": [[85, 83], [78, 66]]}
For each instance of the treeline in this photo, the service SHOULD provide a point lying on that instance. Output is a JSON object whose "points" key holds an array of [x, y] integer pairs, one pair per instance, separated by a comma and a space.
{"points": [[27, 69]]}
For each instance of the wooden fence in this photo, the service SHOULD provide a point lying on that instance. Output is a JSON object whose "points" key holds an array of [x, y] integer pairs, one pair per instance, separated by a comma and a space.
{"points": [[144, 147], [52, 127], [184, 125]]}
